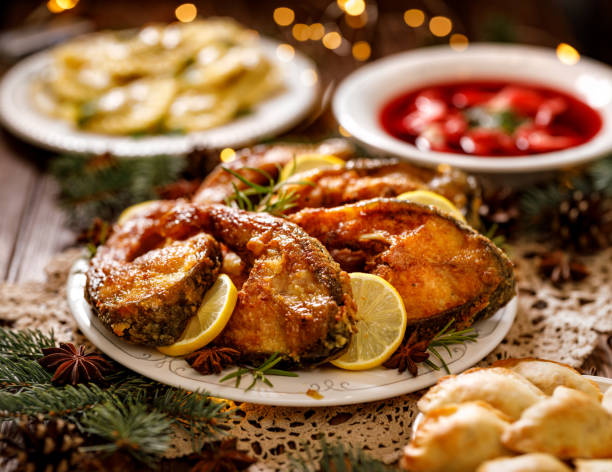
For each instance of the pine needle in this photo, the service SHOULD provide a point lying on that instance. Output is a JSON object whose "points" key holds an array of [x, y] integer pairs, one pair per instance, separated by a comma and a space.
{"points": [[448, 337], [260, 373]]}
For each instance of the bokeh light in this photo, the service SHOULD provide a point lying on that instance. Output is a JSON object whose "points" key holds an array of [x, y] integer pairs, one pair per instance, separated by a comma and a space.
{"points": [[317, 30], [186, 12], [440, 26], [227, 155], [332, 40], [458, 42], [361, 50], [354, 7], [358, 21], [301, 32], [66, 4], [414, 17], [53, 7], [567, 54], [283, 16], [285, 52]]}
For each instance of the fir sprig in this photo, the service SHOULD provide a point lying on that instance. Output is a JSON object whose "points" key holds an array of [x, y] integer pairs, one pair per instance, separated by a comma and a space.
{"points": [[336, 457], [26, 344], [270, 198], [260, 373], [130, 427], [448, 337]]}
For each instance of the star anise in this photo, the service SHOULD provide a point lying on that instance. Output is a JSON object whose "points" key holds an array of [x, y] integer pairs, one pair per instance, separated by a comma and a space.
{"points": [[221, 456], [408, 355], [73, 365], [560, 267], [212, 360]]}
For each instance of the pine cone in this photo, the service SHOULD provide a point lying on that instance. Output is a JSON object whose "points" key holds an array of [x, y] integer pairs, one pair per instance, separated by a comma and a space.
{"points": [[583, 222], [33, 444]]}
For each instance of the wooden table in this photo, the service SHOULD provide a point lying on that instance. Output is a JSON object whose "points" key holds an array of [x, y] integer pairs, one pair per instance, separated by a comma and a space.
{"points": [[32, 226]]}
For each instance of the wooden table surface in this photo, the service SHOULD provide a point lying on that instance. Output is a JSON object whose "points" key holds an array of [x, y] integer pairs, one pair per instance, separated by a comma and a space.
{"points": [[32, 227]]}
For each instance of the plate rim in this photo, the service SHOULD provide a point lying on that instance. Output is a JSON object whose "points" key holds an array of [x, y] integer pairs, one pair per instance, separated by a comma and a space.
{"points": [[82, 314], [382, 142], [73, 140]]}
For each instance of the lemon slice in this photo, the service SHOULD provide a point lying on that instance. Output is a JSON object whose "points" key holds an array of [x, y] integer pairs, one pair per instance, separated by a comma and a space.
{"points": [[427, 197], [306, 162], [381, 323], [213, 314], [132, 210]]}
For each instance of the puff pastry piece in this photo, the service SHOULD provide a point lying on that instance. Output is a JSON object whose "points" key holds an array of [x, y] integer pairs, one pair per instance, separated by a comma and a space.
{"points": [[526, 463], [601, 465], [548, 375], [456, 438], [607, 400], [570, 424], [501, 388]]}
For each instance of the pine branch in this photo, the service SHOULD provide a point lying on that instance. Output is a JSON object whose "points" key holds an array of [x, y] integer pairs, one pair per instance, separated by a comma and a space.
{"points": [[601, 175], [17, 374], [196, 413], [129, 427], [23, 344], [336, 457], [101, 186]]}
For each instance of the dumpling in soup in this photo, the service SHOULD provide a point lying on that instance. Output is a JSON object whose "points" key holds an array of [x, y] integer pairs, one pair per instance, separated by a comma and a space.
{"points": [[456, 438], [570, 424], [548, 375], [501, 388]]}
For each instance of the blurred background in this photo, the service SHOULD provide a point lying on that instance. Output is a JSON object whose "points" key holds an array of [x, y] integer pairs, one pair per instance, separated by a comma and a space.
{"points": [[340, 34]]}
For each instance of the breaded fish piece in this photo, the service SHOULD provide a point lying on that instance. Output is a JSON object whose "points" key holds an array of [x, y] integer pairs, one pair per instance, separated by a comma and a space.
{"points": [[150, 276], [295, 301], [442, 269], [364, 179]]}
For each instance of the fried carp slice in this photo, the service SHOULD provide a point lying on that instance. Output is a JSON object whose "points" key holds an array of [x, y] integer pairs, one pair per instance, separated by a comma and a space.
{"points": [[364, 179], [150, 276], [443, 270], [295, 300]]}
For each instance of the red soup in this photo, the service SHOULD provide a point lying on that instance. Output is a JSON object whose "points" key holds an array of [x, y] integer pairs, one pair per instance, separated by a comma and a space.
{"points": [[490, 118]]}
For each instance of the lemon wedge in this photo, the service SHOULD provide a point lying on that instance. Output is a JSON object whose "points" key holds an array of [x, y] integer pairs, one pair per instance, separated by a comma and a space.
{"points": [[305, 162], [427, 197], [381, 323], [132, 210], [213, 314]]}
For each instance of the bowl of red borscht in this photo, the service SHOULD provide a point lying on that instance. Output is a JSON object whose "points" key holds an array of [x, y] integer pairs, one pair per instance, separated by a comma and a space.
{"points": [[490, 108]]}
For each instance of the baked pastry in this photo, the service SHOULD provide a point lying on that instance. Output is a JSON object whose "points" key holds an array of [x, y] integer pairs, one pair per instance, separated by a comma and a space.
{"points": [[570, 424], [456, 438], [548, 375], [536, 462], [502, 388], [597, 465], [607, 400]]}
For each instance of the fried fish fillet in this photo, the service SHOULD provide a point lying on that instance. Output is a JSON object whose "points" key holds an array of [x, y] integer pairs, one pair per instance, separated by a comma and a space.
{"points": [[364, 179], [442, 269], [295, 300], [219, 184], [150, 276]]}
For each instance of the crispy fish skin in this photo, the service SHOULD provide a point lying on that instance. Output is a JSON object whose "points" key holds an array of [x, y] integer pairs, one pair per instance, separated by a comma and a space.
{"points": [[442, 269], [364, 179], [218, 184], [149, 278], [295, 300]]}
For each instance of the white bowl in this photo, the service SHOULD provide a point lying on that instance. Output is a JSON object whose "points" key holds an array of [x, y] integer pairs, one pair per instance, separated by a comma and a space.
{"points": [[361, 96]]}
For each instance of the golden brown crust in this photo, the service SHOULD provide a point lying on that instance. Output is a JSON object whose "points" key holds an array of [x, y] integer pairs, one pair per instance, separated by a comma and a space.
{"points": [[443, 269]]}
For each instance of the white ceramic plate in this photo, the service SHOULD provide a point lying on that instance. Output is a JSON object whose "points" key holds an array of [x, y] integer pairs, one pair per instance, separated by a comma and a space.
{"points": [[361, 96], [604, 384], [337, 387], [268, 118]]}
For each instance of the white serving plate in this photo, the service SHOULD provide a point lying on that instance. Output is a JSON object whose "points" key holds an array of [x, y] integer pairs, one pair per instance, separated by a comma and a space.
{"points": [[361, 96], [337, 387], [270, 117]]}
